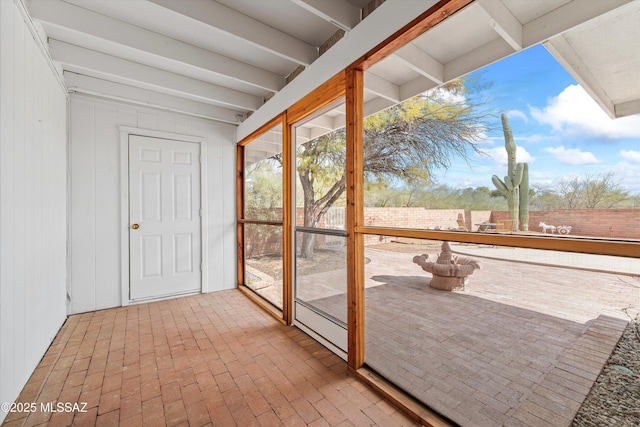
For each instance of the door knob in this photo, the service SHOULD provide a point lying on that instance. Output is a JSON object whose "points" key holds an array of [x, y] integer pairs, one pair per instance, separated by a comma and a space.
{"points": [[135, 226]]}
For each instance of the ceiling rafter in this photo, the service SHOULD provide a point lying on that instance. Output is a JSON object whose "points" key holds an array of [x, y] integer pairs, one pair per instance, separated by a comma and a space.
{"points": [[260, 149], [340, 13], [503, 22], [375, 105], [627, 108], [100, 65], [224, 19], [564, 53], [324, 122], [236, 54], [381, 87], [478, 58], [69, 19], [317, 132], [111, 90], [302, 134], [565, 18], [416, 87], [421, 62]]}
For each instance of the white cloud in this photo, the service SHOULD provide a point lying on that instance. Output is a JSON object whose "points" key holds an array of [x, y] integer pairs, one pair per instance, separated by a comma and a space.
{"points": [[499, 155], [519, 114], [631, 155], [447, 96], [483, 139], [536, 139], [572, 156], [574, 113], [540, 178], [629, 175]]}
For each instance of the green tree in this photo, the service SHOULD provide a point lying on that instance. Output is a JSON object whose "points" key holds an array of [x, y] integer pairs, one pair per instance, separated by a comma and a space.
{"points": [[408, 141], [541, 199], [321, 174], [403, 144], [480, 198], [263, 189]]}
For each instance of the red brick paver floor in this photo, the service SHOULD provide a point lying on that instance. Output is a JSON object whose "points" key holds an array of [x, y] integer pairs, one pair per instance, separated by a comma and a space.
{"points": [[213, 359], [521, 346]]}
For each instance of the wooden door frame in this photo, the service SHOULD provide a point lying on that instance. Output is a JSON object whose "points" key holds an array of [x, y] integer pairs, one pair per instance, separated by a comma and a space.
{"points": [[352, 78], [125, 132]]}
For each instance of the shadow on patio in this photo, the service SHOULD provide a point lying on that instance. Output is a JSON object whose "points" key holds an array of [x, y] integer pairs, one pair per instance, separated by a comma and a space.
{"points": [[521, 346]]}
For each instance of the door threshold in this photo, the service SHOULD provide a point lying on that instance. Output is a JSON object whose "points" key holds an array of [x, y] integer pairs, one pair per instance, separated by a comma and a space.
{"points": [[163, 297]]}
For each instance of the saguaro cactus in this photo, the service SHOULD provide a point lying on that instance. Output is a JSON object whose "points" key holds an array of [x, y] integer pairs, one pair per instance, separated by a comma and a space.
{"points": [[511, 187], [524, 199]]}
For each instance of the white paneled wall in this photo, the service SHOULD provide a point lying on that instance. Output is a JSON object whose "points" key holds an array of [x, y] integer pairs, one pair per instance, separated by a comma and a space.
{"points": [[33, 200], [95, 219]]}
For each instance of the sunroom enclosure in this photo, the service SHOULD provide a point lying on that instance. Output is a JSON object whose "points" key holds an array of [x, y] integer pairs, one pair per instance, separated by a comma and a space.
{"points": [[514, 347]]}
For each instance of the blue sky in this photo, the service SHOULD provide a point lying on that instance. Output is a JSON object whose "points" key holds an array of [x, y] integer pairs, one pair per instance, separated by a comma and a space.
{"points": [[559, 130]]}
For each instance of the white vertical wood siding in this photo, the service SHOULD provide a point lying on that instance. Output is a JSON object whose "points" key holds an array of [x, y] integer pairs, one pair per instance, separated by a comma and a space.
{"points": [[95, 276], [33, 200]]}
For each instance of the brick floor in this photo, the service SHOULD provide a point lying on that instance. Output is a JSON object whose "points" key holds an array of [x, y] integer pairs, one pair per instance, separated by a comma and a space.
{"points": [[521, 346], [213, 359]]}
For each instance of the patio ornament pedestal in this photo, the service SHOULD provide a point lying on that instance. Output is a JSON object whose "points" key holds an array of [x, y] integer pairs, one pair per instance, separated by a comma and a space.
{"points": [[450, 272]]}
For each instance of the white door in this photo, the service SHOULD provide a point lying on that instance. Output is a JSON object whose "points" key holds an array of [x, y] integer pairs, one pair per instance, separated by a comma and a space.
{"points": [[164, 217]]}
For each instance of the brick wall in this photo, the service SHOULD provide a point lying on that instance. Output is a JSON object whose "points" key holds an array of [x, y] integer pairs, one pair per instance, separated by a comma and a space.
{"points": [[420, 218], [443, 219], [608, 223]]}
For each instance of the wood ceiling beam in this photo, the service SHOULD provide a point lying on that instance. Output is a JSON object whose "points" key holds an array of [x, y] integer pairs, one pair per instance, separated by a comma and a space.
{"points": [[89, 29], [627, 108], [416, 87], [123, 93], [323, 122], [227, 20], [564, 53], [316, 132], [503, 22], [421, 62], [551, 28], [107, 67], [262, 149], [477, 58], [340, 13], [381, 87], [319, 126], [366, 44], [565, 18], [302, 134], [376, 105], [437, 13], [517, 37]]}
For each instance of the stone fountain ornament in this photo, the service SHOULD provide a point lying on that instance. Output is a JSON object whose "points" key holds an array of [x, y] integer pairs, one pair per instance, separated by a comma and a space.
{"points": [[450, 272]]}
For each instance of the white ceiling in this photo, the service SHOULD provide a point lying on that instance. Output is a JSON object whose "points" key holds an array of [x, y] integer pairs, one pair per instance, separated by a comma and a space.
{"points": [[598, 42], [223, 59]]}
